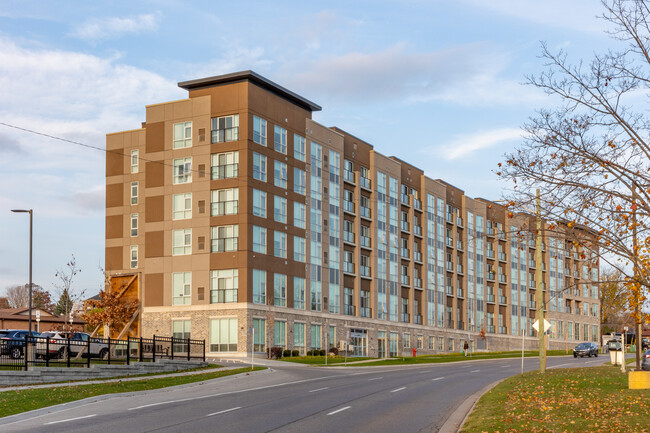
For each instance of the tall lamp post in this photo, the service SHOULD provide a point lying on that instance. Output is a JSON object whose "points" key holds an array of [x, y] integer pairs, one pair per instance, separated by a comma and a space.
{"points": [[30, 212]]}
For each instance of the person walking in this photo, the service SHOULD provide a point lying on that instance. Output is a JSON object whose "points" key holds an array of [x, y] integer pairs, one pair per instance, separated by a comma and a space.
{"points": [[465, 348]]}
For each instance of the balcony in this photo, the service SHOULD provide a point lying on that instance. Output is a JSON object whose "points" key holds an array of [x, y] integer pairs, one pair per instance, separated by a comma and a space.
{"points": [[225, 207], [450, 217], [502, 257], [459, 268], [503, 330], [490, 298], [405, 200], [349, 310], [450, 290], [450, 242], [417, 230], [348, 207], [491, 276], [223, 135], [406, 317], [490, 232], [417, 282], [502, 235], [364, 182], [405, 280], [490, 254], [348, 237], [417, 256], [450, 266], [461, 325], [531, 305], [348, 268], [365, 212], [417, 319], [224, 244], [503, 300], [364, 271], [366, 312], [348, 176], [502, 278], [567, 309], [405, 226], [225, 171], [531, 284], [450, 323], [365, 242], [459, 293], [490, 329], [459, 245], [459, 221], [405, 253], [531, 243], [417, 204]]}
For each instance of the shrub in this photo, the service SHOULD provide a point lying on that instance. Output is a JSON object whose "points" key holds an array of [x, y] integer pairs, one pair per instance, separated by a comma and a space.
{"points": [[309, 353], [321, 352], [334, 351], [286, 353], [295, 353], [276, 352]]}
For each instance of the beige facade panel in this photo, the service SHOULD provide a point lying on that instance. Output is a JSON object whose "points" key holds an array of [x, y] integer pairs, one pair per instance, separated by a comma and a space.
{"points": [[155, 141], [153, 290], [114, 259], [115, 195], [154, 244], [114, 227]]}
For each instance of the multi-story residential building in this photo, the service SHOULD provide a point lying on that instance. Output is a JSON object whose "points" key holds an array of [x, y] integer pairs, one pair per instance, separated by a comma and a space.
{"points": [[238, 212]]}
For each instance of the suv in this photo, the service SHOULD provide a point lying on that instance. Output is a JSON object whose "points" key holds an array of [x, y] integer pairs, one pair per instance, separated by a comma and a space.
{"points": [[585, 349], [58, 345], [12, 341], [645, 362]]}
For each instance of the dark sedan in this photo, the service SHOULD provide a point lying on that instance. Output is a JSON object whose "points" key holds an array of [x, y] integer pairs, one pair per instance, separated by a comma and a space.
{"points": [[585, 349], [645, 360], [12, 341]]}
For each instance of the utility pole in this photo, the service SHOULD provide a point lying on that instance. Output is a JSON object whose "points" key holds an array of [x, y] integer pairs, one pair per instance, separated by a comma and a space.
{"points": [[637, 284], [541, 333]]}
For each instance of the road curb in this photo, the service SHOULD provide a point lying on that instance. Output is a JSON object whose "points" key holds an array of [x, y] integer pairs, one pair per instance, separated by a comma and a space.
{"points": [[456, 420]]}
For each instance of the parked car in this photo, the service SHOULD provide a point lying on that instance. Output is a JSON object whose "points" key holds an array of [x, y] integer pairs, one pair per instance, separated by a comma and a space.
{"points": [[57, 347], [645, 343], [585, 349], [12, 341], [645, 360]]}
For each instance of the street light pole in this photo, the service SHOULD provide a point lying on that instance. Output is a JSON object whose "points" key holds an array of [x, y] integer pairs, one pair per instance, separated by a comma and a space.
{"points": [[30, 212], [540, 286]]}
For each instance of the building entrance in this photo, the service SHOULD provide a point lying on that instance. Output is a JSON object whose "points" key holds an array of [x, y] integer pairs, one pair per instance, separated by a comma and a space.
{"points": [[359, 342]]}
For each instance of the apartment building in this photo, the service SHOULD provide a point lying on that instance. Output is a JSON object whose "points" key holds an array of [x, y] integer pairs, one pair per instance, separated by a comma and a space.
{"points": [[250, 225]]}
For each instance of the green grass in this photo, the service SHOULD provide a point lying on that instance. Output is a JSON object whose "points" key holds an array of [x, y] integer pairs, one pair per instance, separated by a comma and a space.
{"points": [[13, 402], [454, 357], [320, 360], [566, 400]]}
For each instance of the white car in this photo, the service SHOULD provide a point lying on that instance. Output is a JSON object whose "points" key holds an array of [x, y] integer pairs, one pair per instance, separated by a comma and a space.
{"points": [[54, 344]]}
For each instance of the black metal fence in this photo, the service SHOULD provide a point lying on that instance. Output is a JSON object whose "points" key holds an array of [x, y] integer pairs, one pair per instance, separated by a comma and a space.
{"points": [[81, 351]]}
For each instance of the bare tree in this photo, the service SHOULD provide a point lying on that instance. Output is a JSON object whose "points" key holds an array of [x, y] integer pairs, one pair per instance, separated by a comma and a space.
{"points": [[590, 154], [18, 296], [67, 295]]}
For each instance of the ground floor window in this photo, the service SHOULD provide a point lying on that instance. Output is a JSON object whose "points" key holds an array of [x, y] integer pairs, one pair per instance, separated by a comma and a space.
{"points": [[280, 333], [299, 337], [332, 337], [419, 343], [441, 344], [223, 335], [181, 329], [450, 345], [406, 338], [315, 336], [259, 339], [432, 342], [394, 337]]}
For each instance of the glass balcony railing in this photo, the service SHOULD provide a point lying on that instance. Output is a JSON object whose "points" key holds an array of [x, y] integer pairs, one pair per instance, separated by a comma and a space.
{"points": [[348, 176], [365, 182], [348, 267]]}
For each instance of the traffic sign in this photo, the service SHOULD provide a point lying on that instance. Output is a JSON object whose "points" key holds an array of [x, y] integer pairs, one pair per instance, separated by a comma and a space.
{"points": [[547, 325]]}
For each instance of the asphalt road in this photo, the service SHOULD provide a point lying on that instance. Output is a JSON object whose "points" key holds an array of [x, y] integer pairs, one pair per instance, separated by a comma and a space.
{"points": [[291, 398]]}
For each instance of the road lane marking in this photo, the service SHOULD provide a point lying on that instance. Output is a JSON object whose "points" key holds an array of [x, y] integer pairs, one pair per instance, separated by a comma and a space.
{"points": [[505, 366], [339, 410], [224, 411], [375, 378], [319, 389], [398, 389], [559, 365], [475, 371], [70, 419], [426, 371], [438, 378]]}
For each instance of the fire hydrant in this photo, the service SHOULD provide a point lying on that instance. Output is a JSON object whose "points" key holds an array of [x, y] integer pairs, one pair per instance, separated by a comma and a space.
{"points": [[414, 350]]}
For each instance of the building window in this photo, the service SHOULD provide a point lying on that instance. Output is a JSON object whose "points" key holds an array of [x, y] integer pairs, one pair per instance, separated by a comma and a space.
{"points": [[225, 238], [259, 130], [134, 192], [299, 249], [299, 293], [406, 339], [225, 165], [134, 224], [182, 170], [315, 336], [280, 209], [419, 343], [259, 239], [135, 160], [299, 337], [225, 128], [259, 335], [134, 256], [280, 244], [259, 203], [299, 181], [280, 334], [181, 329], [182, 135], [432, 342], [223, 286], [299, 147], [280, 174], [223, 335], [450, 344], [225, 201], [182, 242], [259, 167], [280, 141], [259, 286], [182, 288], [280, 290], [182, 206], [299, 215]]}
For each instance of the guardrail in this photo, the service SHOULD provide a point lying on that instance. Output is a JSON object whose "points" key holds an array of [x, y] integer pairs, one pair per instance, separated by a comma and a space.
{"points": [[72, 352]]}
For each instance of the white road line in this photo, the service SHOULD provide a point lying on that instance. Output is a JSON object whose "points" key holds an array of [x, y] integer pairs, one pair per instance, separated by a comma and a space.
{"points": [[438, 378], [375, 378], [339, 410], [398, 389], [70, 419], [426, 371], [560, 365], [475, 371], [505, 366], [224, 411], [319, 389]]}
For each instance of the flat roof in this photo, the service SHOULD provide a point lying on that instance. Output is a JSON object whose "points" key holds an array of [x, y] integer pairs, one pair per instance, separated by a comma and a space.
{"points": [[253, 77]]}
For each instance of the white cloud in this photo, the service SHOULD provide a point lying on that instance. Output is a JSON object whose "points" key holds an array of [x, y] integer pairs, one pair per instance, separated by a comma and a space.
{"points": [[463, 145], [113, 27]]}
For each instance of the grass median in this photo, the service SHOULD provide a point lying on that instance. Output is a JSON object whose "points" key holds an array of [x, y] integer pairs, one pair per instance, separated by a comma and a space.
{"points": [[565, 400], [13, 402]]}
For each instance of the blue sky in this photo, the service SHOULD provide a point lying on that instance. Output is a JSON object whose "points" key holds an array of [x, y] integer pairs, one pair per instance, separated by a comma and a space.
{"points": [[436, 83]]}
